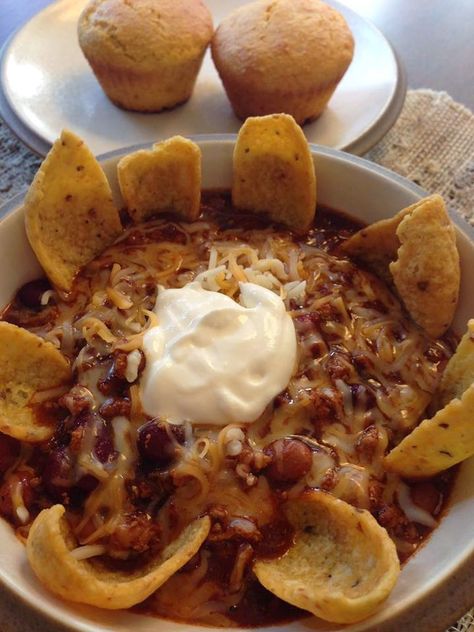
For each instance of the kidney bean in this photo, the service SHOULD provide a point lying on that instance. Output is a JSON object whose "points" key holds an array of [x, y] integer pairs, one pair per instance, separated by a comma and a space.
{"points": [[30, 294], [291, 460], [57, 473], [158, 442], [89, 421], [115, 382], [104, 444], [277, 537], [9, 451], [66, 432], [65, 446]]}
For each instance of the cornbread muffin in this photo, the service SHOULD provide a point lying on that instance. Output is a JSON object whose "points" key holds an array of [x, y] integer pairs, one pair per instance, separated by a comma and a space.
{"points": [[282, 56], [146, 54]]}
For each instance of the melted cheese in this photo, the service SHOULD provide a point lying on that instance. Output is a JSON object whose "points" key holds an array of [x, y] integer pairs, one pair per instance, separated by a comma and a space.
{"points": [[335, 307]]}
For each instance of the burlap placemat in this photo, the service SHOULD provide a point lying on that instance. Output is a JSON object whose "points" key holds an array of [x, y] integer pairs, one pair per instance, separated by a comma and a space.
{"points": [[432, 144]]}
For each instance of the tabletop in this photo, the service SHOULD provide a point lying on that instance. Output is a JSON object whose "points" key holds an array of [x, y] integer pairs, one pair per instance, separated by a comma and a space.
{"points": [[433, 38]]}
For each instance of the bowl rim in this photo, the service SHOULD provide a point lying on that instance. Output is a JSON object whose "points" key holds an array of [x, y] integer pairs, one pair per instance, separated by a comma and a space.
{"points": [[464, 559], [462, 224]]}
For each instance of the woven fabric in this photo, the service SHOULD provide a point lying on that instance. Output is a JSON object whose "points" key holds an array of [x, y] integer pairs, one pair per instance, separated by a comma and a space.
{"points": [[432, 144], [18, 164], [466, 624]]}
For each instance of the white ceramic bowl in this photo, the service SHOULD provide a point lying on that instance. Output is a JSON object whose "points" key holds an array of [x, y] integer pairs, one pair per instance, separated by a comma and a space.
{"points": [[423, 598]]}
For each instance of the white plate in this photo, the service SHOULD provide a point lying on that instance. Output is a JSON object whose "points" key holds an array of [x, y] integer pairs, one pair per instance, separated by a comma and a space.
{"points": [[48, 85]]}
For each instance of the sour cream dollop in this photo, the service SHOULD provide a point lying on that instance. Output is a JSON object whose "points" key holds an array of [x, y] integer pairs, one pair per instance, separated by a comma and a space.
{"points": [[212, 360]]}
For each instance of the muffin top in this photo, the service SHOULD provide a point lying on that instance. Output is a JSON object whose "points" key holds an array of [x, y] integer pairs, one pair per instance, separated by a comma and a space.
{"points": [[285, 43], [131, 33]]}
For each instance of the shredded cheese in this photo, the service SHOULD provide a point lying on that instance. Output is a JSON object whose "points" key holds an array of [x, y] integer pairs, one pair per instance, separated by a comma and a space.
{"points": [[382, 378], [413, 512]]}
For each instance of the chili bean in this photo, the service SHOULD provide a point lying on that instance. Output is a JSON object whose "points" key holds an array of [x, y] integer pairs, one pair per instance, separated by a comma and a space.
{"points": [[291, 460], [57, 473], [277, 537], [115, 382], [158, 442], [104, 444], [30, 294]]}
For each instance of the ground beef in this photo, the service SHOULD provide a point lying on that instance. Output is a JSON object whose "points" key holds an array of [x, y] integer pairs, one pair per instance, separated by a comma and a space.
{"points": [[366, 444], [136, 533]]}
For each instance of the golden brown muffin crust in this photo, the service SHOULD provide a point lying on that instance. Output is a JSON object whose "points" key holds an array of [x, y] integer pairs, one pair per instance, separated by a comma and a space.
{"points": [[293, 44], [131, 33]]}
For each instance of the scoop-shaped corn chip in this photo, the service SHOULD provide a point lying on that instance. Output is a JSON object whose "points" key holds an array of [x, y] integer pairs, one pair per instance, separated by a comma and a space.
{"points": [[427, 271], [416, 250], [49, 545], [274, 171], [437, 443], [69, 213], [459, 372], [28, 364], [342, 564], [376, 245], [165, 178], [448, 437]]}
